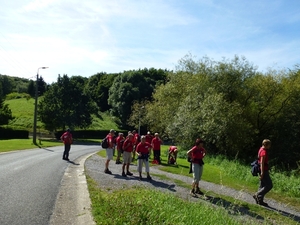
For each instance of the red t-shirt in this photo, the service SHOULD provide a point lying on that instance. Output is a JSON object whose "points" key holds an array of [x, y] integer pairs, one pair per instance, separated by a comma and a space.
{"points": [[128, 145], [143, 148], [149, 138], [119, 143], [136, 138], [110, 141], [156, 142], [197, 153], [263, 152], [172, 148], [67, 138]]}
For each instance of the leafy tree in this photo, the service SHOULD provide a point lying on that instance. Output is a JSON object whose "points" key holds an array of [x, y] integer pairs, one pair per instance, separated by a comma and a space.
{"points": [[131, 86], [31, 88], [65, 104], [98, 88]]}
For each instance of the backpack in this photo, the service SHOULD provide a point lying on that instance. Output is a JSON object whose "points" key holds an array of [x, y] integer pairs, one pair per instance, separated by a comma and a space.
{"points": [[255, 168], [104, 143]]}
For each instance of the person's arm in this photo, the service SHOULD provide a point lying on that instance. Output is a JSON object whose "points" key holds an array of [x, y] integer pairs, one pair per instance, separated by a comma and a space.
{"points": [[189, 153], [262, 167]]}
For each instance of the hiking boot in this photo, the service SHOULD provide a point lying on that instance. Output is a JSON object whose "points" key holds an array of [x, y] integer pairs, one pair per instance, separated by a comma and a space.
{"points": [[123, 174], [149, 178], [198, 191], [256, 199], [118, 162], [129, 174], [192, 192], [263, 203], [107, 171]]}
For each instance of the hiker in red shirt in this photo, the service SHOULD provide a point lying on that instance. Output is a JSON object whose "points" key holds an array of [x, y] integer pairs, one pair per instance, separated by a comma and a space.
{"points": [[67, 138], [127, 150], [197, 154], [119, 142], [172, 156], [149, 137], [265, 183], [156, 143], [143, 151], [109, 150]]}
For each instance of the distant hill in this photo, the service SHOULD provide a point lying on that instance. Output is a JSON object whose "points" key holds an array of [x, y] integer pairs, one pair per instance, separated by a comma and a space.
{"points": [[23, 111]]}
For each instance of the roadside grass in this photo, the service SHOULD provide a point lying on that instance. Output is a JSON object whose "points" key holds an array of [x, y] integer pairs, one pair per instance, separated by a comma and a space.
{"points": [[152, 207], [22, 144]]}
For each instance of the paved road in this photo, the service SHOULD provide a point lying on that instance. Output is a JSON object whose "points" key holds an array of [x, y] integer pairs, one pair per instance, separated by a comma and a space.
{"points": [[30, 181]]}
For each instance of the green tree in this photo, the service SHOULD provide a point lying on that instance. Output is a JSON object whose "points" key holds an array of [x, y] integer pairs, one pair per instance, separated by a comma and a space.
{"points": [[65, 104], [31, 88], [98, 88], [131, 86]]}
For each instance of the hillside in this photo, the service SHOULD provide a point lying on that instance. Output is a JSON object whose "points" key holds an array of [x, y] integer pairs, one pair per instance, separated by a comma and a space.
{"points": [[23, 111]]}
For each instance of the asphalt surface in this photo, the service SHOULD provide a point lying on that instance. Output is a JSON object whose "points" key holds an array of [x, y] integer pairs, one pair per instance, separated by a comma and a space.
{"points": [[32, 184]]}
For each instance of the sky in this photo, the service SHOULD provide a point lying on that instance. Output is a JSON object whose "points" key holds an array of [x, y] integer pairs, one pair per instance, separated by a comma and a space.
{"points": [[77, 37]]}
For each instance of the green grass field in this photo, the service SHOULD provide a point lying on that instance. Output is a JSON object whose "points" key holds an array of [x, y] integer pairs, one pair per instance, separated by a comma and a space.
{"points": [[23, 110]]}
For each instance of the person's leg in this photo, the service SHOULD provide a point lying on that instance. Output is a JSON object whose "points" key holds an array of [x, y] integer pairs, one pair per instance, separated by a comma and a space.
{"points": [[199, 178], [66, 152], [109, 156], [140, 167], [158, 156], [265, 186], [196, 172]]}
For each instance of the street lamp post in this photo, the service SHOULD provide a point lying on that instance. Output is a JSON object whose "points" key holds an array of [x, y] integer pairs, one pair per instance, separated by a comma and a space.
{"points": [[35, 105]]}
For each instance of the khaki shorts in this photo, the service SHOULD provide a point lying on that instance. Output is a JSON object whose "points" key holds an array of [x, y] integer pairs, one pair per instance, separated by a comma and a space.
{"points": [[109, 153], [127, 157]]}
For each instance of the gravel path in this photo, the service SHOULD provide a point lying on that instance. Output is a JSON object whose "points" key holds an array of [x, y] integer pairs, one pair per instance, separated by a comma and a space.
{"points": [[94, 167]]}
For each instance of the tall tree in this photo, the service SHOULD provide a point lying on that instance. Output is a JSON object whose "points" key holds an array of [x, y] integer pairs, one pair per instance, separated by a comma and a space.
{"points": [[131, 86], [98, 88], [65, 104]]}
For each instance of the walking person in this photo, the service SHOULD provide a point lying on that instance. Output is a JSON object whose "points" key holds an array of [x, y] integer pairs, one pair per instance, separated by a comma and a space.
{"points": [[119, 143], [156, 143], [197, 154], [67, 138], [127, 150], [143, 151], [109, 150], [265, 183]]}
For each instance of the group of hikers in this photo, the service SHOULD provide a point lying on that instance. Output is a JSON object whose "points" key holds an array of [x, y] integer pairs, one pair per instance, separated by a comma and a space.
{"points": [[130, 147], [135, 145]]}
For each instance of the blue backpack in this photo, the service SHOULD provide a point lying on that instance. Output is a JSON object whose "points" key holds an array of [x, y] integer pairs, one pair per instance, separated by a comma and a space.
{"points": [[255, 168]]}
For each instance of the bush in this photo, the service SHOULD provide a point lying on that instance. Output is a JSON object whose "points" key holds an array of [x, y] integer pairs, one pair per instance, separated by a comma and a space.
{"points": [[7, 133]]}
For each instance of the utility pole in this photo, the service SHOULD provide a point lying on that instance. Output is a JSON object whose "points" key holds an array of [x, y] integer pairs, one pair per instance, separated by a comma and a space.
{"points": [[35, 105]]}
